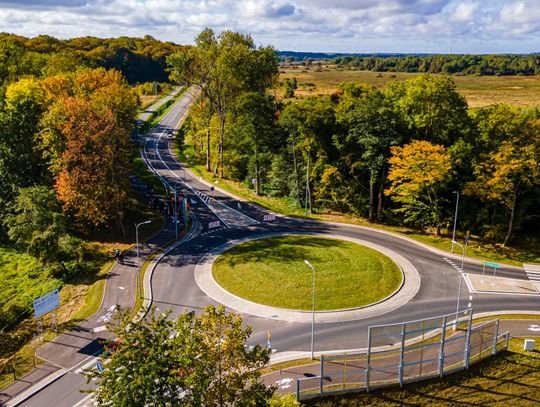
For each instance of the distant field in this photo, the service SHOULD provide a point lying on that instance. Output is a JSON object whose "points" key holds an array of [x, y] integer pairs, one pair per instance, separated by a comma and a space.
{"points": [[523, 91]]}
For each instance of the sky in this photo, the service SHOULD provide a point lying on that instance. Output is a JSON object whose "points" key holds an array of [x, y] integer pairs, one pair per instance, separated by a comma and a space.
{"points": [[356, 26]]}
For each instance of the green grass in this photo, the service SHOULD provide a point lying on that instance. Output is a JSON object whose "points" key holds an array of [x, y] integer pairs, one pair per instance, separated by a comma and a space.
{"points": [[141, 171], [509, 379], [24, 278], [272, 272]]}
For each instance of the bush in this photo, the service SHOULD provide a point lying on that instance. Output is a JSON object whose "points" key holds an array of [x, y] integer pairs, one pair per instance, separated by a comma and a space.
{"points": [[67, 270]]}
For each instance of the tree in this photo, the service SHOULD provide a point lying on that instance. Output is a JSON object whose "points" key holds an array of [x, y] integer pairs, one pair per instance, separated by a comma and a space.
{"points": [[21, 163], [371, 128], [514, 166], [93, 181], [189, 361], [36, 222], [253, 124], [418, 172], [223, 67], [431, 107]]}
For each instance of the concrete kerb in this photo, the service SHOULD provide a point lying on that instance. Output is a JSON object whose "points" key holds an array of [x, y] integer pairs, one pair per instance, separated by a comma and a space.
{"points": [[147, 283], [408, 289]]}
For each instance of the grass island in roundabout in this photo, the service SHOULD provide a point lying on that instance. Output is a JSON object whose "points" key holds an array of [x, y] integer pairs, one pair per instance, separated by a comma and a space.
{"points": [[272, 271]]}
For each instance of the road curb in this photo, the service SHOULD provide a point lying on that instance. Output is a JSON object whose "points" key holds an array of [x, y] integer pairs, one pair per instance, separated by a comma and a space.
{"points": [[25, 395], [408, 288]]}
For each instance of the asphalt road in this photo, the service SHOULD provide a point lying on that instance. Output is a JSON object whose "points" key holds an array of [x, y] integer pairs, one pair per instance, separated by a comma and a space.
{"points": [[174, 285], [223, 217]]}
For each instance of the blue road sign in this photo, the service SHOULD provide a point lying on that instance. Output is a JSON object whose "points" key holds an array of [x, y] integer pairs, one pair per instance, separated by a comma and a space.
{"points": [[99, 367], [47, 303]]}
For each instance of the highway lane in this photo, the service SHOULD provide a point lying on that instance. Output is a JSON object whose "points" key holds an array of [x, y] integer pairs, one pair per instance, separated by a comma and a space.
{"points": [[174, 285]]}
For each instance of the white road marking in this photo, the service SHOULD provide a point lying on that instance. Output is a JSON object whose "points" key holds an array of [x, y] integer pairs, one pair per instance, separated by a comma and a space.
{"points": [[534, 328]]}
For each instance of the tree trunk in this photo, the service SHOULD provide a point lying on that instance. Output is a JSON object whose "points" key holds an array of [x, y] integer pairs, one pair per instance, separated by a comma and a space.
{"points": [[221, 137], [371, 197], [257, 178], [208, 149], [308, 192], [297, 177], [512, 213], [380, 197]]}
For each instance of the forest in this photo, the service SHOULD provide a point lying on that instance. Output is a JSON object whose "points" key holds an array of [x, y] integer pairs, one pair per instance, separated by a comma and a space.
{"points": [[397, 156], [139, 59], [446, 64]]}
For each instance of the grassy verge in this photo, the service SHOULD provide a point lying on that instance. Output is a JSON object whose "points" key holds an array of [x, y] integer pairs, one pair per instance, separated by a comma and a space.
{"points": [[272, 272], [510, 378], [477, 248]]}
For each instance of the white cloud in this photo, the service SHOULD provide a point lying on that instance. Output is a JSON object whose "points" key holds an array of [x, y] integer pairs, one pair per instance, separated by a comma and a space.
{"points": [[317, 25]]}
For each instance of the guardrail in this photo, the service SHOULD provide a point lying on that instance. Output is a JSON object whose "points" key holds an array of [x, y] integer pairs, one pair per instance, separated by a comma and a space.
{"points": [[418, 350]]}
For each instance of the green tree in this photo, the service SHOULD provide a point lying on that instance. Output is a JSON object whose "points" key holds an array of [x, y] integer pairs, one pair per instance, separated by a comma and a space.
{"points": [[431, 107], [253, 124], [418, 173], [223, 67], [21, 163], [36, 222], [513, 167], [371, 128], [189, 361]]}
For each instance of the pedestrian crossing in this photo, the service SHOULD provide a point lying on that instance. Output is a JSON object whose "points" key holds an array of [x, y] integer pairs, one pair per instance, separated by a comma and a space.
{"points": [[453, 264], [205, 198], [213, 230], [532, 271]]}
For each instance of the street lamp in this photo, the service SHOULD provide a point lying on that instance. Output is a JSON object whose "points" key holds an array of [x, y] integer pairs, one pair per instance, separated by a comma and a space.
{"points": [[137, 244], [460, 279], [175, 209], [455, 219], [312, 311]]}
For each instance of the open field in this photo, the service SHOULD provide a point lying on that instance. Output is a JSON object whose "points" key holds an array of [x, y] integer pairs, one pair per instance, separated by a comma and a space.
{"points": [[523, 91], [272, 272], [509, 379]]}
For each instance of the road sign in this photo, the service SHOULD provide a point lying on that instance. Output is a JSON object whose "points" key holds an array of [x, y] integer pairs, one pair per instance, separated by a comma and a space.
{"points": [[212, 189], [254, 181], [47, 303], [99, 367], [490, 264]]}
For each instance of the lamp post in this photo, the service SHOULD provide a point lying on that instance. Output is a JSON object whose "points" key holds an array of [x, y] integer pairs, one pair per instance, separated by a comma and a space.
{"points": [[175, 209], [460, 279], [455, 219], [312, 311], [137, 245]]}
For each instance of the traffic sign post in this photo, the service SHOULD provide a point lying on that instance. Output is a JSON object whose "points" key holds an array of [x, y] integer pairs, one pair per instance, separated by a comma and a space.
{"points": [[45, 304], [490, 264]]}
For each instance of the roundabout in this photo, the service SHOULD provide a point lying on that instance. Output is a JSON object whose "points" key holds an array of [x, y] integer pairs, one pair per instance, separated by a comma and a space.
{"points": [[272, 271], [403, 280]]}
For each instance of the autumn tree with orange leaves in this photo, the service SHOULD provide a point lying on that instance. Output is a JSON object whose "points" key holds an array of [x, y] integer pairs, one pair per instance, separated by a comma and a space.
{"points": [[89, 146], [418, 173]]}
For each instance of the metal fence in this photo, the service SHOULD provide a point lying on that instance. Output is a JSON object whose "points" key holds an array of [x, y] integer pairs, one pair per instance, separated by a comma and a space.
{"points": [[406, 352]]}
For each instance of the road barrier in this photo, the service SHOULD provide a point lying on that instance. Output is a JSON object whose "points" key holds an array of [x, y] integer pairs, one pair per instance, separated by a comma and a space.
{"points": [[406, 352]]}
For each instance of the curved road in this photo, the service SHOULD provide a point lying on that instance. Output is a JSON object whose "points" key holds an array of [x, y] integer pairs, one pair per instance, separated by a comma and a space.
{"points": [[174, 284], [223, 218]]}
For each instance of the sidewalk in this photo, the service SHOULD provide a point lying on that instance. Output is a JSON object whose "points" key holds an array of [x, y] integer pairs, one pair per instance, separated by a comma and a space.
{"points": [[75, 346]]}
